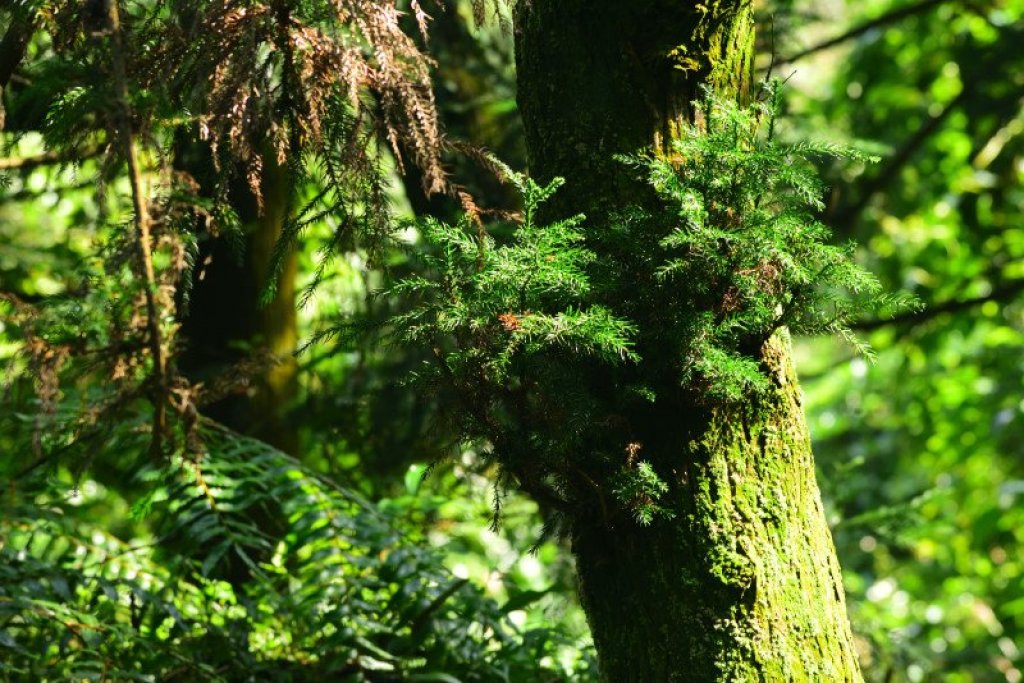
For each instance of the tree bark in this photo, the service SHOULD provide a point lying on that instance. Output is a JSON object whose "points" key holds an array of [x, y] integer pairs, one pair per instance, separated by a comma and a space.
{"points": [[226, 323], [742, 584]]}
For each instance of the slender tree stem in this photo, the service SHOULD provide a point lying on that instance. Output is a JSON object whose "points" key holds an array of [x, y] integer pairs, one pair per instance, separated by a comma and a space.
{"points": [[13, 48], [14, 44], [143, 235]]}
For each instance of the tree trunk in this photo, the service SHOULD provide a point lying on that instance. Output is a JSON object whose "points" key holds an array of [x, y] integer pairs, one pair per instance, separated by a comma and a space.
{"points": [[226, 322], [742, 584]]}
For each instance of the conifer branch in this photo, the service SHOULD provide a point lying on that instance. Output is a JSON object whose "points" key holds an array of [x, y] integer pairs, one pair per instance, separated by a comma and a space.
{"points": [[143, 235]]}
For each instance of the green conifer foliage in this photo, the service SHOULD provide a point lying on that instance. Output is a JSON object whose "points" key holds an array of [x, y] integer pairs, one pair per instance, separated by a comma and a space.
{"points": [[508, 321], [740, 254], [547, 338]]}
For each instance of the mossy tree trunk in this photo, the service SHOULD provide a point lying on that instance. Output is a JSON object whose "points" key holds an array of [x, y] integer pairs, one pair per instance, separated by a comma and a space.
{"points": [[742, 584], [227, 324], [231, 336]]}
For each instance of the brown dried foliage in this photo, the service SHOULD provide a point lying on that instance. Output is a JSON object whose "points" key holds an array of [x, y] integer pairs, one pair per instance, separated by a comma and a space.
{"points": [[279, 74], [272, 75], [312, 83]]}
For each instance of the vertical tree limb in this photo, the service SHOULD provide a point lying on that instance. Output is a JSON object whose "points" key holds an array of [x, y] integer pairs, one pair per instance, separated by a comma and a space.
{"points": [[12, 50], [143, 235]]}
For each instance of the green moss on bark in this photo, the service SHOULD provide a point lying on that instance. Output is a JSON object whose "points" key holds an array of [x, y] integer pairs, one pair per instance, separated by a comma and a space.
{"points": [[745, 585], [740, 582]]}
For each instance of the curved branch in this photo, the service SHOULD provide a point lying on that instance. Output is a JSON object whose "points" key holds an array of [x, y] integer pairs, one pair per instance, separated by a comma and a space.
{"points": [[884, 178], [1000, 294], [889, 18]]}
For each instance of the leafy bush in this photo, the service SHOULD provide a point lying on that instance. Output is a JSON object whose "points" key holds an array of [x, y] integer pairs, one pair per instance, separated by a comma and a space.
{"points": [[547, 336], [739, 253], [339, 593]]}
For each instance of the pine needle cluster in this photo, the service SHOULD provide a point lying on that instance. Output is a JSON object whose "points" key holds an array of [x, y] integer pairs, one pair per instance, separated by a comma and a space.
{"points": [[319, 89], [507, 320], [739, 251], [525, 297], [552, 340], [259, 80]]}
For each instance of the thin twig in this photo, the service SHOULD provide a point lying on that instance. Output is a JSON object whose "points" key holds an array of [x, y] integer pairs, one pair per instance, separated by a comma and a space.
{"points": [[894, 164], [420, 620], [29, 194], [143, 237], [859, 30]]}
